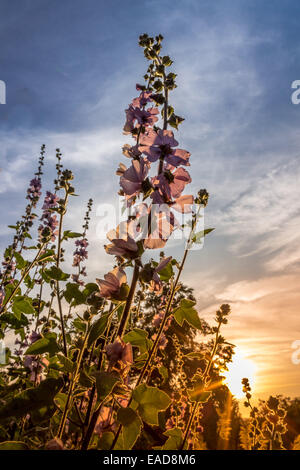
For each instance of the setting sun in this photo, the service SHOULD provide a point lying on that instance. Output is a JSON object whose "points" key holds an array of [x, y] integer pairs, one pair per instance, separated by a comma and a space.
{"points": [[239, 368]]}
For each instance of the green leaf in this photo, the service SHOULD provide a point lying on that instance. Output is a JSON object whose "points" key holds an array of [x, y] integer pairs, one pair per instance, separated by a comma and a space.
{"points": [[66, 363], [197, 392], [13, 445], [21, 263], [197, 238], [13, 321], [70, 234], [131, 428], [89, 288], [85, 380], [175, 120], [150, 401], [186, 312], [97, 329], [174, 439], [47, 344], [31, 399], [48, 254], [57, 274], [138, 338], [72, 292], [22, 305], [105, 383], [167, 272], [106, 440]]}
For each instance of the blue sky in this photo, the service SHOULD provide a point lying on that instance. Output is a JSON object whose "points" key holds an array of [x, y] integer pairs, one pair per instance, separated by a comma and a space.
{"points": [[70, 68]]}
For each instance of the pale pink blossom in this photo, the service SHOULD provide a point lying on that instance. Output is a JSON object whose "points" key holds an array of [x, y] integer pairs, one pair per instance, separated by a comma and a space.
{"points": [[112, 283]]}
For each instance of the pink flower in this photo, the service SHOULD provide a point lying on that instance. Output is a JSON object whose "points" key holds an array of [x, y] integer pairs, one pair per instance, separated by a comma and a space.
{"points": [[132, 179], [142, 100], [181, 178], [170, 185], [136, 117], [119, 351], [146, 117], [163, 223], [50, 200], [159, 144], [121, 242], [112, 283]]}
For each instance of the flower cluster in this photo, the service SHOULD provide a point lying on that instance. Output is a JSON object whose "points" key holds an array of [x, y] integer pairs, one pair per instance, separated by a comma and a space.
{"points": [[156, 172], [48, 228]]}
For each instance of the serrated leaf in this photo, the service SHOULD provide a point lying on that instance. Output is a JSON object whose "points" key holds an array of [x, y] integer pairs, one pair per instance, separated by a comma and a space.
{"points": [[105, 383], [131, 428], [57, 274], [47, 344], [72, 292], [150, 401], [197, 393], [174, 441], [186, 312], [22, 305], [31, 399], [138, 338]]}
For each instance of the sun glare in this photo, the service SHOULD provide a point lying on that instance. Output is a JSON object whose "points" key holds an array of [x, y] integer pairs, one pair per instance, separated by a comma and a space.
{"points": [[239, 368]]}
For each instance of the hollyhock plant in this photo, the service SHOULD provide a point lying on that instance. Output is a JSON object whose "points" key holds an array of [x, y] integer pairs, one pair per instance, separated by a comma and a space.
{"points": [[112, 283], [117, 363], [158, 145], [132, 179]]}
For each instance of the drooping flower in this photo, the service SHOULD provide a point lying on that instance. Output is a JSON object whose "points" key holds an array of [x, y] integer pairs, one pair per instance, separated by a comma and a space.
{"points": [[122, 244], [159, 144], [119, 351], [111, 285]]}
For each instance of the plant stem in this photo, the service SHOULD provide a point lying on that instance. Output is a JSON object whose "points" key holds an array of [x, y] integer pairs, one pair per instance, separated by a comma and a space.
{"points": [[124, 319], [71, 386], [87, 422], [57, 282], [205, 375]]}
